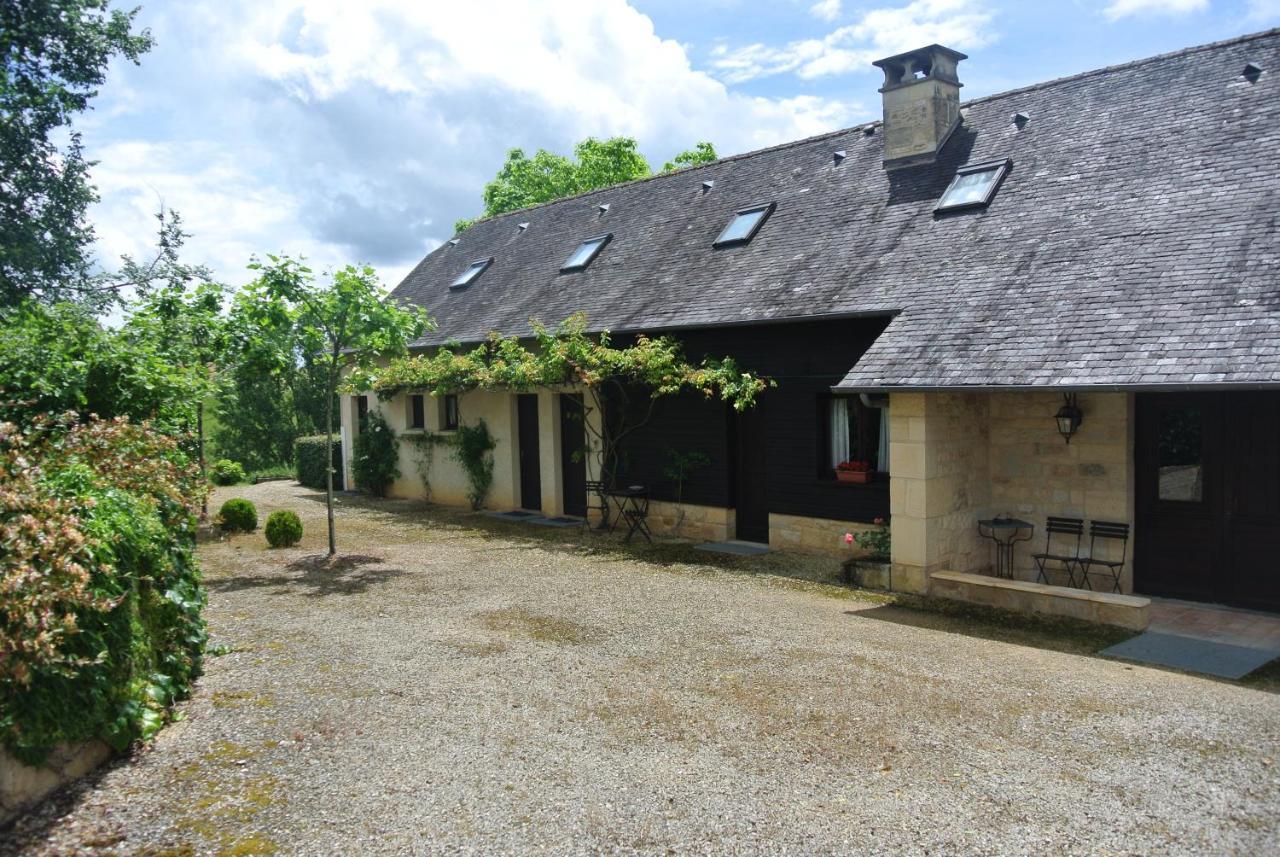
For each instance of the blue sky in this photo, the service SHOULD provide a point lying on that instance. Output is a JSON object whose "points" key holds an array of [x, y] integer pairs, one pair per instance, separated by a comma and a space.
{"points": [[358, 132]]}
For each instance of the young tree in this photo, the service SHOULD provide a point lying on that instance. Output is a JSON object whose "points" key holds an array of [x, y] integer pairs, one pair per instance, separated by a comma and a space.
{"points": [[523, 181], [348, 320], [53, 56]]}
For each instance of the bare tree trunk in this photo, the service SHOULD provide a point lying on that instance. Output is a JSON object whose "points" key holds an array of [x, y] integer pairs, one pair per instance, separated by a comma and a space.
{"points": [[204, 475], [328, 461]]}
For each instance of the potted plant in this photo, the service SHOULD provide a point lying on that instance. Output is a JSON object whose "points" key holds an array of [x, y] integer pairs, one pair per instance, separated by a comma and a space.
{"points": [[854, 471], [872, 568]]}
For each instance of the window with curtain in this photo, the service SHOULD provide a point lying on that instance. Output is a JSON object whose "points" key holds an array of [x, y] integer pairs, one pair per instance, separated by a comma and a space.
{"points": [[855, 432]]}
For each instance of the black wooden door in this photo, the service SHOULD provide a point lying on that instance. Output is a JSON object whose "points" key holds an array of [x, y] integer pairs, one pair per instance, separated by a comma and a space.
{"points": [[750, 483], [573, 454], [1208, 497], [530, 470]]}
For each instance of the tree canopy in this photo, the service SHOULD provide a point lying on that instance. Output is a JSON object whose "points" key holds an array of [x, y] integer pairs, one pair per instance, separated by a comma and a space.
{"points": [[53, 56], [523, 181]]}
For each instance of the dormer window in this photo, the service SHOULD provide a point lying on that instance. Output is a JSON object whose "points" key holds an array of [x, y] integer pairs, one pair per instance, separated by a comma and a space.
{"points": [[744, 226], [474, 270], [973, 186], [586, 252]]}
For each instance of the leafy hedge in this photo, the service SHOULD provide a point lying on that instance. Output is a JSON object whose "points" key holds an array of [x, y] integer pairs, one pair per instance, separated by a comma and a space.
{"points": [[375, 462], [100, 596], [308, 455], [284, 529]]}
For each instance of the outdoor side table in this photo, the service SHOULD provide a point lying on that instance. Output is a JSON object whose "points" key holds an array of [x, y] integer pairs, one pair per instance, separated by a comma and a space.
{"points": [[1005, 532], [633, 507]]}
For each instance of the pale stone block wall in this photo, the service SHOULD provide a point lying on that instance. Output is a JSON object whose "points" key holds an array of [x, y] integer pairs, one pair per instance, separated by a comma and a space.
{"points": [[956, 458], [938, 483], [1035, 473], [23, 786], [820, 535], [700, 523]]}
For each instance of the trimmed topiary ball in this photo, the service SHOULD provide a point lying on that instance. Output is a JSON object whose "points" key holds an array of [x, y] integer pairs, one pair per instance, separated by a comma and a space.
{"points": [[226, 472], [238, 515], [283, 529]]}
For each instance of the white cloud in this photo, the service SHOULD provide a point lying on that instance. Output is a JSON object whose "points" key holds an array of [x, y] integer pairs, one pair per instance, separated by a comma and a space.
{"points": [[827, 10], [1118, 9], [1262, 11], [360, 131], [961, 24]]}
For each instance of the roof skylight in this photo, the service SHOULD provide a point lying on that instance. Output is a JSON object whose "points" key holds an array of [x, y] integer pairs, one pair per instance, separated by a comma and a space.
{"points": [[586, 251], [474, 270], [973, 186], [745, 224]]}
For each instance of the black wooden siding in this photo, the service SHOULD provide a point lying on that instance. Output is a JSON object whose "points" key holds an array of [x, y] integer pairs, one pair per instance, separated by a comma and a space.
{"points": [[806, 359]]}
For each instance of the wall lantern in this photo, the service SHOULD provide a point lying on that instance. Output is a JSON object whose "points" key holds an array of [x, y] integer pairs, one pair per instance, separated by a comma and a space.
{"points": [[1069, 416]]}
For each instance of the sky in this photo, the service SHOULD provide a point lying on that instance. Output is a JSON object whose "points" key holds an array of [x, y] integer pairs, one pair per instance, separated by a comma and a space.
{"points": [[359, 132]]}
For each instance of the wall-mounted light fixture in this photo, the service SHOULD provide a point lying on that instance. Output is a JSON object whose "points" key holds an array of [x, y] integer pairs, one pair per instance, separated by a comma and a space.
{"points": [[1069, 416]]}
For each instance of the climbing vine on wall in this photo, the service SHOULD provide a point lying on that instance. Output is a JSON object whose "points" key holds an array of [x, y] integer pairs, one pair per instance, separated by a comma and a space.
{"points": [[567, 356]]}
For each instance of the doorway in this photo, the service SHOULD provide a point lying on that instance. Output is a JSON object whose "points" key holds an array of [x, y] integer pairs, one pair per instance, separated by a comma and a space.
{"points": [[530, 464], [750, 484], [573, 454], [1208, 497]]}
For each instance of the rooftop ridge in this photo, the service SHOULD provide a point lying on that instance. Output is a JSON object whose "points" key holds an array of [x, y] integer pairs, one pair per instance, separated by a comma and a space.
{"points": [[1034, 87]]}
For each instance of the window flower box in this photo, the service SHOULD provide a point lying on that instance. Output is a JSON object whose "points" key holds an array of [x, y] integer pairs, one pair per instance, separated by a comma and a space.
{"points": [[859, 472]]}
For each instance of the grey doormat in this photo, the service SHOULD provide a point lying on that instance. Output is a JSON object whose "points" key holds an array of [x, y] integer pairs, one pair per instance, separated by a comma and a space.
{"points": [[556, 522], [514, 515], [737, 548], [1187, 653]]}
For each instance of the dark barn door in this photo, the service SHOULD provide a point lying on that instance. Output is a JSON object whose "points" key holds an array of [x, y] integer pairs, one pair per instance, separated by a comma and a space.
{"points": [[573, 454], [530, 471], [1208, 497], [750, 485]]}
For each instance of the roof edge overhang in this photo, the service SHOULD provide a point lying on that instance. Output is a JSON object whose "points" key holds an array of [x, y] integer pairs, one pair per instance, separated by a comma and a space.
{"points": [[708, 325], [1186, 387]]}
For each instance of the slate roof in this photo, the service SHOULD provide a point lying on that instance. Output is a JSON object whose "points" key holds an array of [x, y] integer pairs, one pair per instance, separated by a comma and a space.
{"points": [[1134, 241]]}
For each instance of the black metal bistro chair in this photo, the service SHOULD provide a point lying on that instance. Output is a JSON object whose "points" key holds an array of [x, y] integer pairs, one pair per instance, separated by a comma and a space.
{"points": [[1061, 548], [1102, 536], [596, 492]]}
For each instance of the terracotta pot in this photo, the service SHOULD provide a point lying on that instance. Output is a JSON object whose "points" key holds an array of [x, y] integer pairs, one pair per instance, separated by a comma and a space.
{"points": [[860, 477]]}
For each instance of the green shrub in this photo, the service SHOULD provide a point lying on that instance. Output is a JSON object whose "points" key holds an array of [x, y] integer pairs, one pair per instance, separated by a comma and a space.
{"points": [[283, 529], [308, 453], [238, 515], [226, 472], [103, 633], [473, 449], [376, 459]]}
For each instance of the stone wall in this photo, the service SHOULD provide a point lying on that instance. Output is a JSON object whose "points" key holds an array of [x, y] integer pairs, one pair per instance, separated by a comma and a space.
{"points": [[820, 535], [938, 452], [1035, 473], [958, 457], [700, 523], [23, 786]]}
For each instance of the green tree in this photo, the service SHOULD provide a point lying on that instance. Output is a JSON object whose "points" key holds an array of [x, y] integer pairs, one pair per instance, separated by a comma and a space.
{"points": [[701, 153], [347, 320], [53, 56], [523, 181]]}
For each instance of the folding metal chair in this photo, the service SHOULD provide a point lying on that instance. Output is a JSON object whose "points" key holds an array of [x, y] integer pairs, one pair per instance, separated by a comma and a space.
{"points": [[595, 490], [1061, 546], [1101, 534], [636, 514]]}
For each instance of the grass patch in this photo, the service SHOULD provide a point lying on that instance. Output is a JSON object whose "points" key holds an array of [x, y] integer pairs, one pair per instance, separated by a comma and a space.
{"points": [[535, 626]]}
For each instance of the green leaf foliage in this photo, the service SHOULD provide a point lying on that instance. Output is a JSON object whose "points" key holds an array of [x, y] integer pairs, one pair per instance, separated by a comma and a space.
{"points": [[283, 529], [473, 447], [309, 462], [53, 56], [100, 597], [375, 457], [238, 515], [226, 472], [523, 181]]}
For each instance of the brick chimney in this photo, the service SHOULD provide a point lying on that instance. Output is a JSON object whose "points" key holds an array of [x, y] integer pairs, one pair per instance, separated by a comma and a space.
{"points": [[921, 104]]}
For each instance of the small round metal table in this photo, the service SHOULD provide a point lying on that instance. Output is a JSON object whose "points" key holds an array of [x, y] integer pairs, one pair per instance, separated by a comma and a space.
{"points": [[1005, 532]]}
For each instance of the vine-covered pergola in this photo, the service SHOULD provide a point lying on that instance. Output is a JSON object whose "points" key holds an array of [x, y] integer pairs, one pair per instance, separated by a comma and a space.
{"points": [[568, 356]]}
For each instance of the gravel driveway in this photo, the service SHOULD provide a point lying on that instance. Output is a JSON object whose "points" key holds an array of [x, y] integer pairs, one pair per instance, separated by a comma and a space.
{"points": [[454, 684]]}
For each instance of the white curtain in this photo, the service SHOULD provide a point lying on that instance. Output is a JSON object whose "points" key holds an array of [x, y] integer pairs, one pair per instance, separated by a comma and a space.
{"points": [[882, 459], [839, 425]]}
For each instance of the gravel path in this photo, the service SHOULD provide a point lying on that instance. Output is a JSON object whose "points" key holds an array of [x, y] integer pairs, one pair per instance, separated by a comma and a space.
{"points": [[459, 685]]}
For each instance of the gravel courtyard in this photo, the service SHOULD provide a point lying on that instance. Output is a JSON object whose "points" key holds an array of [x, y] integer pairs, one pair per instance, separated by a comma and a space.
{"points": [[456, 684]]}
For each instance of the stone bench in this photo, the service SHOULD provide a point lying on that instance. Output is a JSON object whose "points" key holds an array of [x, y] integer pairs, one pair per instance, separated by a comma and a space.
{"points": [[1104, 608]]}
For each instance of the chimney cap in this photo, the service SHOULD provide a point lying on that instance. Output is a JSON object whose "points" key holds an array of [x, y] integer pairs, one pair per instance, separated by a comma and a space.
{"points": [[934, 62]]}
